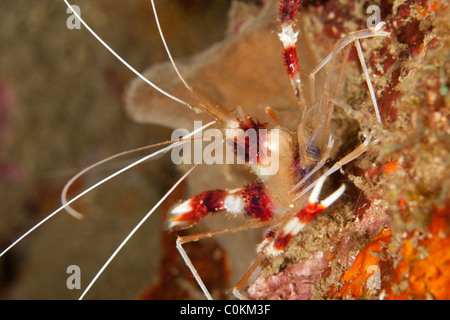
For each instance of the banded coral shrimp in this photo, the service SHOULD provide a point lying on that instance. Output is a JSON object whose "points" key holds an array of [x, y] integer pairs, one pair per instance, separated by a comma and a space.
{"points": [[249, 47], [373, 207]]}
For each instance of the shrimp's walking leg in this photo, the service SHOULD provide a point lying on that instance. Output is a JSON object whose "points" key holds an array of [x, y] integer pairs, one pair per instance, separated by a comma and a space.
{"points": [[251, 200], [210, 234], [313, 130], [349, 157], [339, 46], [312, 75], [367, 77], [278, 238], [238, 287]]}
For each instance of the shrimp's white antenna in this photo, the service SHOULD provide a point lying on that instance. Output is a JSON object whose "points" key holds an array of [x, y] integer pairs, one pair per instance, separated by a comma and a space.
{"points": [[167, 48], [77, 215], [66, 204], [69, 183], [134, 231], [122, 60]]}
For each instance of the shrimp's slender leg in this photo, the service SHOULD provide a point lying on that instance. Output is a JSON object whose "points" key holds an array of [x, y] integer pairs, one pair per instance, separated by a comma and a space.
{"points": [[278, 238], [345, 106], [259, 259], [210, 234], [312, 75], [367, 77], [240, 285], [353, 37], [252, 201], [313, 130], [319, 165], [348, 158]]}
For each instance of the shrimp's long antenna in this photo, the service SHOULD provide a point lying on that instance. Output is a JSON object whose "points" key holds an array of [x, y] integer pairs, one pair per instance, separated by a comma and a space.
{"points": [[134, 231], [122, 60], [167, 48], [103, 181], [74, 213]]}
